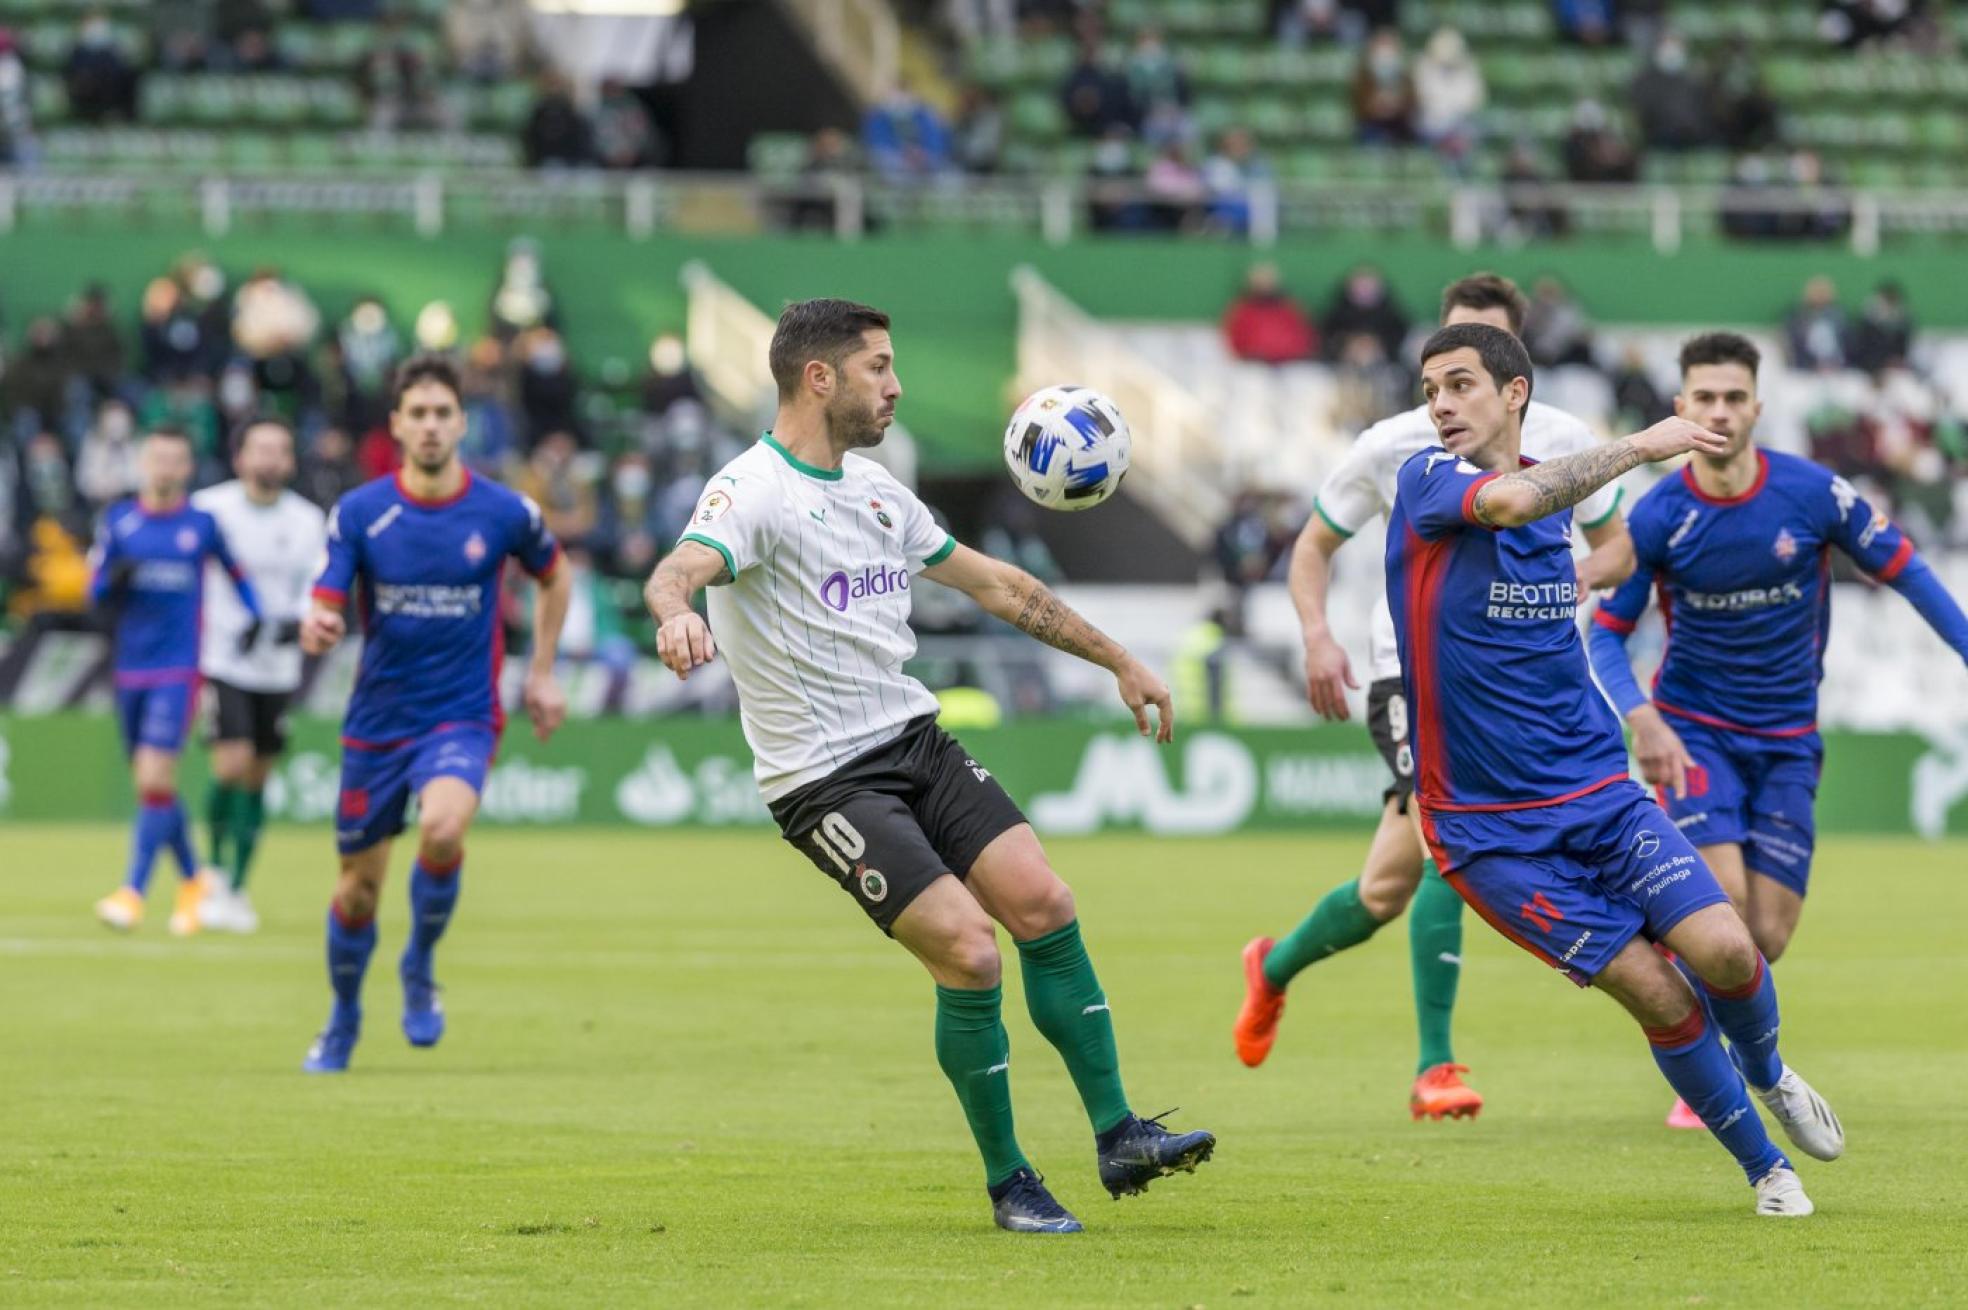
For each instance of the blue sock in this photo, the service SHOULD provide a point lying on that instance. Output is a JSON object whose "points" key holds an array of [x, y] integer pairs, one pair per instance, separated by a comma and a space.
{"points": [[349, 948], [152, 831], [433, 895], [1691, 1057], [177, 836], [1748, 1017]]}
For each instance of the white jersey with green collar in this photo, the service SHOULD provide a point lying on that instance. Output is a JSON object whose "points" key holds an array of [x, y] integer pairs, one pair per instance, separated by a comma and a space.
{"points": [[814, 622], [1361, 489]]}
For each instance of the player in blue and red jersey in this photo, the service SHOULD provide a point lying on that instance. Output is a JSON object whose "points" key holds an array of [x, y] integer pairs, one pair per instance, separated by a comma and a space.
{"points": [[1521, 777], [1739, 547], [149, 568], [420, 555]]}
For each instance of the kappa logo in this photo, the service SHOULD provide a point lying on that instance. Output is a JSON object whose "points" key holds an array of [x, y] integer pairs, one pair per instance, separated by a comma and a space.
{"points": [[1646, 845], [1785, 548], [475, 548]]}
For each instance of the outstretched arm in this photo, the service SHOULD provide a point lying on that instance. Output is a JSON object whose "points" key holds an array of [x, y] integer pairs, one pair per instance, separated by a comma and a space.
{"points": [[683, 639], [1923, 590], [1012, 594], [1510, 500]]}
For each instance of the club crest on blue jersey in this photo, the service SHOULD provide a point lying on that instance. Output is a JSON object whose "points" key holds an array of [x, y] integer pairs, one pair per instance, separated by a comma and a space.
{"points": [[1786, 546], [475, 548], [187, 539]]}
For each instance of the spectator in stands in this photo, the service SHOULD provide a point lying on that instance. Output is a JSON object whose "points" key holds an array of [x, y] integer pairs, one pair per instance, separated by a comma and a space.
{"points": [[274, 325], [979, 131], [1671, 99], [1850, 24], [34, 393], [1383, 92], [547, 389], [93, 342], [1640, 22], [523, 299], [1157, 88], [1096, 96], [1112, 173], [1637, 402], [370, 347], [184, 401], [629, 533], [557, 134], [106, 470], [831, 156], [398, 83], [1175, 189], [1364, 303], [328, 468], [1585, 22], [487, 38], [556, 477], [1525, 219], [1808, 205], [101, 83], [18, 148], [1817, 335], [670, 378], [1265, 325], [236, 395], [1449, 94], [905, 140], [1745, 112], [1246, 544], [624, 137], [253, 51], [1369, 384], [1884, 338], [180, 35], [1594, 150], [491, 435], [1228, 174], [1299, 22], [1556, 330], [47, 485], [978, 20]]}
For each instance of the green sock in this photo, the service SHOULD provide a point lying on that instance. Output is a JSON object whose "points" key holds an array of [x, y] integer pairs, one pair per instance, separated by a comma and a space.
{"points": [[975, 1054], [218, 819], [1435, 948], [1069, 1008], [248, 814], [1337, 922]]}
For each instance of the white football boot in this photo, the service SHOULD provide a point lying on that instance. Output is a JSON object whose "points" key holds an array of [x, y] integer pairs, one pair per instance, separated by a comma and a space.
{"points": [[1780, 1193], [1806, 1118]]}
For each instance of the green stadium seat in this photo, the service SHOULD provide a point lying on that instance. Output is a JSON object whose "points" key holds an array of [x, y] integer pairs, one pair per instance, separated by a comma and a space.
{"points": [[995, 63], [1307, 165], [1272, 117], [252, 152], [1213, 113], [1038, 115], [1942, 132], [776, 155], [1329, 120], [47, 100], [1226, 66], [313, 152]]}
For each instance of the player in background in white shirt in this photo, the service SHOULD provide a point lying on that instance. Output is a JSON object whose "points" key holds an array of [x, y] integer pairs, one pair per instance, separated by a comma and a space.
{"points": [[1358, 491], [254, 668], [809, 551]]}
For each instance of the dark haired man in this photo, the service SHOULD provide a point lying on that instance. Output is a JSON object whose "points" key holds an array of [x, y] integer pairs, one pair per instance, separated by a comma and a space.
{"points": [[148, 569], [421, 553], [1521, 772], [809, 550], [253, 665], [1397, 875], [1739, 547]]}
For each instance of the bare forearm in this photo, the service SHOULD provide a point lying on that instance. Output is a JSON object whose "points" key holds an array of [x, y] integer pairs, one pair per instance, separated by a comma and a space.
{"points": [[1309, 579], [1029, 605], [549, 616], [1557, 484], [668, 590]]}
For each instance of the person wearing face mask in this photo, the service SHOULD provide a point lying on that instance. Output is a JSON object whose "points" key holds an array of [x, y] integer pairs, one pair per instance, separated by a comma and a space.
{"points": [[522, 300], [370, 348], [1672, 99], [101, 84], [106, 470], [546, 383], [630, 524], [1383, 93], [670, 377]]}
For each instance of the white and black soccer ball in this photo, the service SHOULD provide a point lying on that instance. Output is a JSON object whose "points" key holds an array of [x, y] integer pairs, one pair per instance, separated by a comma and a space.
{"points": [[1067, 447]]}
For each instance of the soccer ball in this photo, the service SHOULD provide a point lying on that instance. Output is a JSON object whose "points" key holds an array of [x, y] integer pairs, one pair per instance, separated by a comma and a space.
{"points": [[1067, 447]]}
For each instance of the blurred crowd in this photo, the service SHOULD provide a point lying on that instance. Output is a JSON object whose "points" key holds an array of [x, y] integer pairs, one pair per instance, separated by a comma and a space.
{"points": [[1874, 404], [616, 462]]}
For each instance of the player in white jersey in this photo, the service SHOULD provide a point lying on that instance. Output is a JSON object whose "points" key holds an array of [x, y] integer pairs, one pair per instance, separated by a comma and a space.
{"points": [[810, 551], [1360, 490], [254, 668]]}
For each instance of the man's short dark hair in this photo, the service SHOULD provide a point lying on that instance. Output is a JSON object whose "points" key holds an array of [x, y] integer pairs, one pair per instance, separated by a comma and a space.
{"points": [[1480, 291], [1720, 348], [1503, 355], [826, 330], [171, 432], [428, 366], [238, 442]]}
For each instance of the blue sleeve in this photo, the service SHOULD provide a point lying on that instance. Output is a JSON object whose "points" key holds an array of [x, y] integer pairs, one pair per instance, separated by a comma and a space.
{"points": [[533, 546], [102, 561], [1437, 492], [1874, 541], [240, 583], [1615, 618], [1923, 590], [344, 558]]}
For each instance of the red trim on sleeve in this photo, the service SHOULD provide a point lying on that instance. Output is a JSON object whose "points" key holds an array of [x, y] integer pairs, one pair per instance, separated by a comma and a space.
{"points": [[1895, 566], [546, 570], [331, 595], [1605, 618], [1469, 499]]}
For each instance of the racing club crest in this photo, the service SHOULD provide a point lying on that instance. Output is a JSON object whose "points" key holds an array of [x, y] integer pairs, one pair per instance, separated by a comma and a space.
{"points": [[881, 515], [1786, 546], [474, 548]]}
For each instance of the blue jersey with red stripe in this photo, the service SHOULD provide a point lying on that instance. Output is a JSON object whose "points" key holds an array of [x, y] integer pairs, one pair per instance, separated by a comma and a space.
{"points": [[1502, 710], [424, 576], [1745, 589], [152, 563]]}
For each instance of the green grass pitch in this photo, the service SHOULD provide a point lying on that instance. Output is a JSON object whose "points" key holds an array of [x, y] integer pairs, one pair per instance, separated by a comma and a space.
{"points": [[681, 1070]]}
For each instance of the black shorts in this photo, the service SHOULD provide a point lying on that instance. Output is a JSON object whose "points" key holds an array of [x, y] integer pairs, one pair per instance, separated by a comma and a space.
{"points": [[241, 715], [888, 823], [1387, 721]]}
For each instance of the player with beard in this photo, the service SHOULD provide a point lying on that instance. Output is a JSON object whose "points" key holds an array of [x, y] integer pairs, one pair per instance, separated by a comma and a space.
{"points": [[809, 550]]}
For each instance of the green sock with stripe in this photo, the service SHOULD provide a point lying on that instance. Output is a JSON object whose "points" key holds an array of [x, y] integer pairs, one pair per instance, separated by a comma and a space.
{"points": [[975, 1054], [1067, 1006], [248, 816], [1435, 952], [1337, 922], [218, 820]]}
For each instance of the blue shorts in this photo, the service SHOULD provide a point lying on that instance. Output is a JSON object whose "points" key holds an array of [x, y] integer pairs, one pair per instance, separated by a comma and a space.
{"points": [[1573, 883], [378, 781], [1757, 792], [158, 717]]}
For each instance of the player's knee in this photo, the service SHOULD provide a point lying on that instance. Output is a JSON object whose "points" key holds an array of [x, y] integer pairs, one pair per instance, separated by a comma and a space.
{"points": [[972, 954], [356, 898], [441, 835], [1772, 935], [1385, 898], [1053, 908], [1731, 961]]}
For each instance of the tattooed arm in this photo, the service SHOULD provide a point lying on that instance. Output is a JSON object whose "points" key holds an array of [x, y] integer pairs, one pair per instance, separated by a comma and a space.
{"points": [[1529, 494], [1012, 594]]}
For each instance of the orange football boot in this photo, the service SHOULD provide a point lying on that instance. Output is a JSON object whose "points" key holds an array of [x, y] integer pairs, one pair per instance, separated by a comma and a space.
{"points": [[1264, 1005], [1439, 1093]]}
